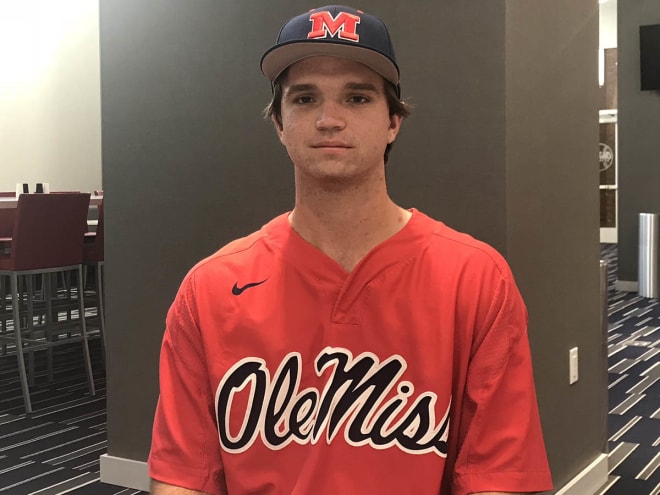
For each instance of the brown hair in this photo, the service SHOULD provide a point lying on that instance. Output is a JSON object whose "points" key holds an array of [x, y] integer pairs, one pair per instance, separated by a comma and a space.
{"points": [[396, 105]]}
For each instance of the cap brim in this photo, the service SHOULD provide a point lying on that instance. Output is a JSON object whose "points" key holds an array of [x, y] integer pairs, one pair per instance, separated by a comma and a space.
{"points": [[276, 60]]}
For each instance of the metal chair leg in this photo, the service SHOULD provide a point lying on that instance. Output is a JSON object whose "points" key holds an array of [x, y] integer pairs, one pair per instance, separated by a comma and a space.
{"points": [[83, 330], [19, 344], [4, 317], [101, 305], [49, 323], [29, 327]]}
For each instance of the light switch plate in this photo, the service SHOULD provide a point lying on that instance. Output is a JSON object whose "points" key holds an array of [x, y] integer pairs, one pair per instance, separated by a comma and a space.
{"points": [[573, 366]]}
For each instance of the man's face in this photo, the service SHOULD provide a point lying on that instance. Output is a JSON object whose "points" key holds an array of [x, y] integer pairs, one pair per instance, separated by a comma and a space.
{"points": [[335, 120]]}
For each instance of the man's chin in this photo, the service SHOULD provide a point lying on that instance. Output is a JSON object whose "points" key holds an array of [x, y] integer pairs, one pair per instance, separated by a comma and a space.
{"points": [[338, 180]]}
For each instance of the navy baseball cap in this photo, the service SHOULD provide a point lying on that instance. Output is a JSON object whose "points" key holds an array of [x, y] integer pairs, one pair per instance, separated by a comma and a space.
{"points": [[337, 31]]}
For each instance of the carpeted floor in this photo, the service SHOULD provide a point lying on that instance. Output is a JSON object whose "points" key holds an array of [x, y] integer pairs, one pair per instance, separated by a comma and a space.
{"points": [[634, 389], [56, 449]]}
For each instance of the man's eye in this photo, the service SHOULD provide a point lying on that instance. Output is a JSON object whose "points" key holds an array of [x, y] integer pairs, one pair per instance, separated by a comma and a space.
{"points": [[358, 99], [304, 100]]}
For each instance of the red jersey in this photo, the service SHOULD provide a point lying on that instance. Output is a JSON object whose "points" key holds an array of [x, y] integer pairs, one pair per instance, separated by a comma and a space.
{"points": [[281, 373]]}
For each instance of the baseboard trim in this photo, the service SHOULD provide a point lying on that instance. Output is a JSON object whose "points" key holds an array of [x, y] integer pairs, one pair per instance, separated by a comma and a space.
{"points": [[124, 472], [626, 285], [589, 480]]}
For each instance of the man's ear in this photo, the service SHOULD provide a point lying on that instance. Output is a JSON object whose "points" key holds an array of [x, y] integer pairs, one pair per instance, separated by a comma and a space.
{"points": [[395, 126], [277, 124]]}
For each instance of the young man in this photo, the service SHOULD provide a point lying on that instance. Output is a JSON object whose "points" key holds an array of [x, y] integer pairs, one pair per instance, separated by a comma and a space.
{"points": [[349, 346]]}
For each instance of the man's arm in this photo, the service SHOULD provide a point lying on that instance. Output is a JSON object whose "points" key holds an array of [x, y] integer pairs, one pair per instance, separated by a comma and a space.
{"points": [[159, 488], [185, 456]]}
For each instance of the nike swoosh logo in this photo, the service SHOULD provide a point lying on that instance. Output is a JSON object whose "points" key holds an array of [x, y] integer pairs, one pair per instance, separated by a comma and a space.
{"points": [[237, 291]]}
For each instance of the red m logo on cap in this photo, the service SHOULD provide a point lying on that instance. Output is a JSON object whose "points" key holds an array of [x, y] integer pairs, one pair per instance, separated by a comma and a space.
{"points": [[344, 25]]}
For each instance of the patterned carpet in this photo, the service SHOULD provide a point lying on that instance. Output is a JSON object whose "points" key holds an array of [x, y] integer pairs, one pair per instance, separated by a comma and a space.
{"points": [[634, 389], [56, 449]]}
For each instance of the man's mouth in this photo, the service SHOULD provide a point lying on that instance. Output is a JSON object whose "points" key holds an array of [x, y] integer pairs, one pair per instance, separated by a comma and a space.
{"points": [[331, 145]]}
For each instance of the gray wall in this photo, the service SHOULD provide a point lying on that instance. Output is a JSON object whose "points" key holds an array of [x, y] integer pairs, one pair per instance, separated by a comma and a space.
{"points": [[639, 127], [500, 145], [553, 215], [188, 164]]}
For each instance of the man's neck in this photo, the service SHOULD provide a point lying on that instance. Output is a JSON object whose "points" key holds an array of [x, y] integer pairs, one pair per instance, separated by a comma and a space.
{"points": [[345, 223]]}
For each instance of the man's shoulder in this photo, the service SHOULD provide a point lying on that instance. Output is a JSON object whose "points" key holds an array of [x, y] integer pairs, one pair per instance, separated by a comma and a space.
{"points": [[243, 250], [461, 241], [240, 245], [458, 246]]}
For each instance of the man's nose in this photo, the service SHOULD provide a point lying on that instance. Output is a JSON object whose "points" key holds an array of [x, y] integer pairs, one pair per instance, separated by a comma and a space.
{"points": [[331, 116]]}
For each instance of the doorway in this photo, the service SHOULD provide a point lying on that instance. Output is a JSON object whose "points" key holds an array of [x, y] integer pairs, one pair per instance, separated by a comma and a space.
{"points": [[608, 176]]}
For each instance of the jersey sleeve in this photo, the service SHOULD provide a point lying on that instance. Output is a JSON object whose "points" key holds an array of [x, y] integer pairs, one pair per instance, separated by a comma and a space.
{"points": [[501, 446], [185, 450]]}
